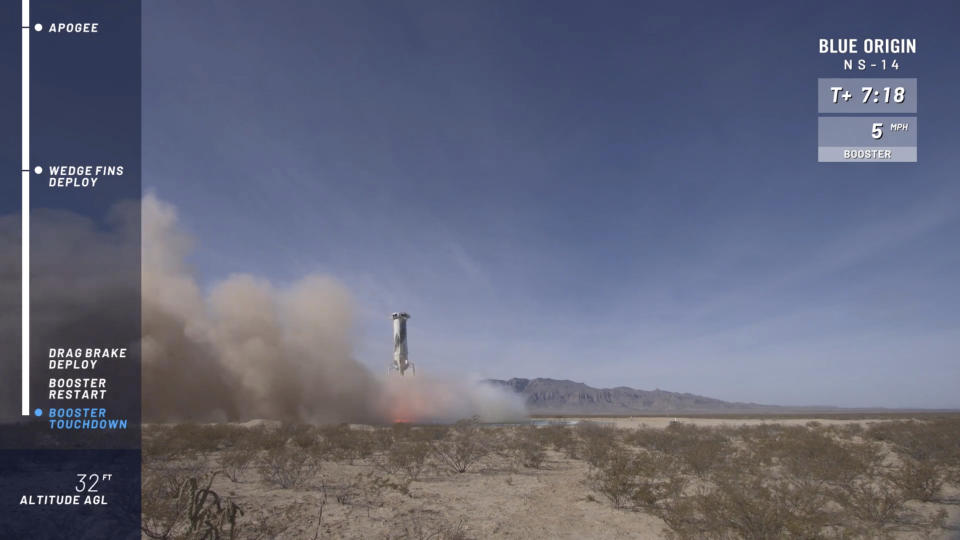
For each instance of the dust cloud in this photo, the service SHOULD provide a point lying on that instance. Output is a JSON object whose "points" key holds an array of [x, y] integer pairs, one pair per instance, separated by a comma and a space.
{"points": [[249, 349], [246, 348]]}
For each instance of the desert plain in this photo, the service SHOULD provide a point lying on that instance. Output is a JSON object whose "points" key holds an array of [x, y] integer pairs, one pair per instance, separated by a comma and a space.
{"points": [[721, 477]]}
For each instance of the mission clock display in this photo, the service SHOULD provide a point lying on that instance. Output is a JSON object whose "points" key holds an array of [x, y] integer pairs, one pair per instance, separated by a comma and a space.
{"points": [[868, 130]]}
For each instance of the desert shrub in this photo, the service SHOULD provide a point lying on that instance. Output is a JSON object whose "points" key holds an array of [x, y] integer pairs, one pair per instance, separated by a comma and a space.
{"points": [[929, 451], [821, 458], [167, 443], [335, 442], [936, 440], [699, 449], [497, 440], [845, 431], [811, 456], [366, 490], [615, 476], [747, 510], [461, 447], [919, 480], [645, 479], [762, 440], [757, 508], [293, 434], [163, 508], [197, 438], [429, 433], [561, 438], [874, 504], [743, 499], [224, 435], [208, 515], [423, 524], [808, 508], [186, 508], [777, 481], [406, 458], [648, 438], [658, 478], [757, 432], [365, 443], [381, 440], [852, 430], [235, 461], [155, 444], [681, 517], [596, 442], [281, 521], [287, 466], [701, 454], [526, 447], [174, 459], [401, 431], [341, 443]]}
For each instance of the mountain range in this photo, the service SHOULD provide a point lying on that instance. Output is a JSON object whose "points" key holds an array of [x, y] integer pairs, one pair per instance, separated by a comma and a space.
{"points": [[552, 396]]}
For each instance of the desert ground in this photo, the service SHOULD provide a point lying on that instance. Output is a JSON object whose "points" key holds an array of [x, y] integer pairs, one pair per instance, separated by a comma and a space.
{"points": [[623, 477]]}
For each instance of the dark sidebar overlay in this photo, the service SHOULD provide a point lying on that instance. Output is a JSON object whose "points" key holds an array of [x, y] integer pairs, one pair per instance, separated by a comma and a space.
{"points": [[70, 279]]}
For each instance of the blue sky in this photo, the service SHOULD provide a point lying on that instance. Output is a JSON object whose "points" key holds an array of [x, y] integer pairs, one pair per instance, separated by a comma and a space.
{"points": [[615, 193]]}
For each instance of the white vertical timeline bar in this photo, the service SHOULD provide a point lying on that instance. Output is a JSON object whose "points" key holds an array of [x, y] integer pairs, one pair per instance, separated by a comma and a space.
{"points": [[25, 210]]}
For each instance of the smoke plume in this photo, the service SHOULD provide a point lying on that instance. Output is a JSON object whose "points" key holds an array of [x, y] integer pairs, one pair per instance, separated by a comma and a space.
{"points": [[249, 349]]}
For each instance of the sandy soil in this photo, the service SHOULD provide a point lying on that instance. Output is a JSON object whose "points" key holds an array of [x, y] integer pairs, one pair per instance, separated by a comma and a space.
{"points": [[492, 500]]}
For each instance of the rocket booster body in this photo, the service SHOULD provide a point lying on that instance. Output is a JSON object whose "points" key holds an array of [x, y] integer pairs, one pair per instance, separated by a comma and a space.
{"points": [[401, 362]]}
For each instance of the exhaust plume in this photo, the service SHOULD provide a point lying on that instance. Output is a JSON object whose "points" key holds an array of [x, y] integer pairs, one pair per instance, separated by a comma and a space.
{"points": [[431, 398]]}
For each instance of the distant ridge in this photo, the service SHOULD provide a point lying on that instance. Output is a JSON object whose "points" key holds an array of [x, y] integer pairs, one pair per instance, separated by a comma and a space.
{"points": [[552, 396]]}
